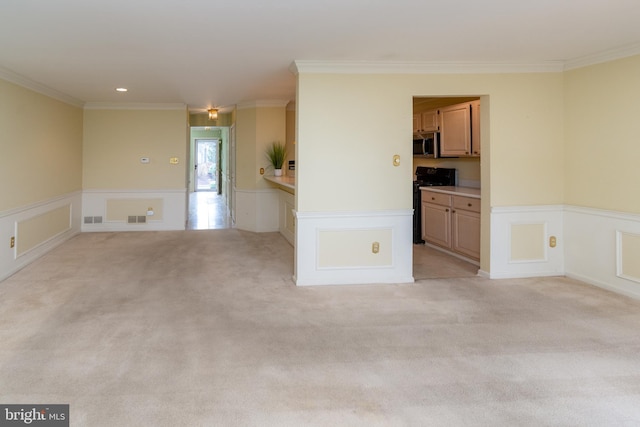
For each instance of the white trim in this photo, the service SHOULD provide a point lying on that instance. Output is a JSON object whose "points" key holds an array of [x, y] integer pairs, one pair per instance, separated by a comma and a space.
{"points": [[308, 251], [619, 256], [354, 214], [526, 209], [174, 209], [10, 261], [591, 248], [502, 219], [601, 57], [422, 67], [267, 103], [134, 191], [27, 83], [623, 216], [36, 205], [133, 106]]}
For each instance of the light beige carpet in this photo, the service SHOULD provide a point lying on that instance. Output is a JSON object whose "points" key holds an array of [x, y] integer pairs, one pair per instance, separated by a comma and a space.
{"points": [[205, 328]]}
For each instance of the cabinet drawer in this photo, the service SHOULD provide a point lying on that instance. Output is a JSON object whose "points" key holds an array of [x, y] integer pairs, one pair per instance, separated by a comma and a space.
{"points": [[466, 203], [437, 198]]}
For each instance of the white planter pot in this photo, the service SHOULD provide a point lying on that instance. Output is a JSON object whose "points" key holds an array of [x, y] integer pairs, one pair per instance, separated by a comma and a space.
{"points": [[277, 172]]}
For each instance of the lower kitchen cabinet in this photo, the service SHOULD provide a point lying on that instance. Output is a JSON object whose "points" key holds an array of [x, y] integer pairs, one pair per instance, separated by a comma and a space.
{"points": [[452, 222]]}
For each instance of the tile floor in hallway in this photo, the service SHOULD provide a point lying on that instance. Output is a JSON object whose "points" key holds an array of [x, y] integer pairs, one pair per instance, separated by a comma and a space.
{"points": [[207, 211]]}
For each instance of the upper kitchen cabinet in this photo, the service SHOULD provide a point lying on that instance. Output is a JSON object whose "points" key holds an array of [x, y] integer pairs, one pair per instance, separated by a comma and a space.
{"points": [[455, 130], [460, 130], [475, 127], [427, 121]]}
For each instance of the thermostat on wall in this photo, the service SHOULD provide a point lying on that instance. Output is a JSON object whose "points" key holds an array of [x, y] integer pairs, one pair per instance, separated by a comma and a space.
{"points": [[144, 160]]}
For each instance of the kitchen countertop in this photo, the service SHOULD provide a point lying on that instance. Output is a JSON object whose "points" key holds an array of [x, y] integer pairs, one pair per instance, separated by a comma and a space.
{"points": [[456, 191], [287, 183]]}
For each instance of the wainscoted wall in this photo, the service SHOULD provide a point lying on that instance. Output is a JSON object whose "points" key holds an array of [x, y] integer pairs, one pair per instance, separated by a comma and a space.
{"points": [[520, 242], [603, 248], [113, 210], [336, 248], [257, 210], [37, 229]]}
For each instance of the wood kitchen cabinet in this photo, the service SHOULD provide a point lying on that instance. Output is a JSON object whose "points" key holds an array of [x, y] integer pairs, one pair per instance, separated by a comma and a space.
{"points": [[465, 229], [455, 130], [460, 130], [427, 121], [475, 128], [452, 222]]}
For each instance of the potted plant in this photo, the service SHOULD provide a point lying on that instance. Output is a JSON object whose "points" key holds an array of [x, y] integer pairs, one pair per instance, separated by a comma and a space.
{"points": [[277, 153]]}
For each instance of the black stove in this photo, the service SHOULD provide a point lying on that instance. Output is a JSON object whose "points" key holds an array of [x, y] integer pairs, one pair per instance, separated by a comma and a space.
{"points": [[428, 177]]}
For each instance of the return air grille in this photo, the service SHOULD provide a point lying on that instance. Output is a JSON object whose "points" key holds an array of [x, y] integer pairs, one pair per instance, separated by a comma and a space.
{"points": [[136, 219], [93, 219]]}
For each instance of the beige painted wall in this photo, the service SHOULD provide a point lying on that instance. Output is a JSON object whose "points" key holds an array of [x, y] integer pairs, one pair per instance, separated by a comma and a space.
{"points": [[350, 126], [115, 140], [603, 135], [41, 146], [256, 128]]}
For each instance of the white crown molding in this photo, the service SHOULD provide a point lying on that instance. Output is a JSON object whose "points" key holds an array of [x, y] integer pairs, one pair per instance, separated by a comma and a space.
{"points": [[133, 106], [606, 56], [267, 103], [421, 67], [16, 78]]}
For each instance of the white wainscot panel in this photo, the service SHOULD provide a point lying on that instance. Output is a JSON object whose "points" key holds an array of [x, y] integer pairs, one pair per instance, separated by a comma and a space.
{"points": [[172, 215], [511, 257], [257, 210], [38, 236], [354, 235], [599, 244]]}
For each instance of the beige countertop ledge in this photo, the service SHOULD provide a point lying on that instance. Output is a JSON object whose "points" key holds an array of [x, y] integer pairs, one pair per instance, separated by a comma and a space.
{"points": [[456, 191], [287, 183]]}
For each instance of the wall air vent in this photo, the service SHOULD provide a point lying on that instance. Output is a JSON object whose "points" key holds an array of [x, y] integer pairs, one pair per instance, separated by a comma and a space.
{"points": [[142, 219], [88, 220], [132, 219], [97, 219]]}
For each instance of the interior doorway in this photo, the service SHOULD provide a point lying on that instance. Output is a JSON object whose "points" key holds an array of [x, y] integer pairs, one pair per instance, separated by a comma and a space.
{"points": [[207, 166]]}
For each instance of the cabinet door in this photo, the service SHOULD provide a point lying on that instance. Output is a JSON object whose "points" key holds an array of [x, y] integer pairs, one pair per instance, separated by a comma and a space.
{"points": [[436, 224], [455, 130], [475, 128], [430, 121], [417, 122], [466, 233]]}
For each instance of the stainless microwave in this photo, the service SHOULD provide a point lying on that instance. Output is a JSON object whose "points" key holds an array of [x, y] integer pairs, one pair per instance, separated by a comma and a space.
{"points": [[426, 145]]}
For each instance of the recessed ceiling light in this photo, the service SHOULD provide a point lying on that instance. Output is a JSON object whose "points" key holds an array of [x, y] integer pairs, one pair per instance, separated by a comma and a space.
{"points": [[121, 89]]}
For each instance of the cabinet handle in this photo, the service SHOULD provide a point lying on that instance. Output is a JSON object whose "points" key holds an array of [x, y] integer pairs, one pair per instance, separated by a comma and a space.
{"points": [[469, 204], [453, 211], [447, 210], [433, 198]]}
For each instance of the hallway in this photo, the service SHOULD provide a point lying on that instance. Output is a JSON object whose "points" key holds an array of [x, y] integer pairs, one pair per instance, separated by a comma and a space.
{"points": [[207, 211]]}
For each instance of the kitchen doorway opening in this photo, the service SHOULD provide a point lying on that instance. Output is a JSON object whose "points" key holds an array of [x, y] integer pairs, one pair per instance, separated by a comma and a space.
{"points": [[464, 135]]}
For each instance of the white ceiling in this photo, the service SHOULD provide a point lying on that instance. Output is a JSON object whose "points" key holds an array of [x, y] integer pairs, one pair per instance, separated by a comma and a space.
{"points": [[204, 53]]}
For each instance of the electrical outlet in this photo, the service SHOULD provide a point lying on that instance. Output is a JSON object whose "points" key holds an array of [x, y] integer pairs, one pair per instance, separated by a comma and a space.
{"points": [[12, 242], [375, 247]]}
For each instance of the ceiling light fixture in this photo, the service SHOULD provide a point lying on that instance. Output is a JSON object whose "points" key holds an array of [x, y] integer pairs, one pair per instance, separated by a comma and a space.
{"points": [[213, 113], [121, 89]]}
